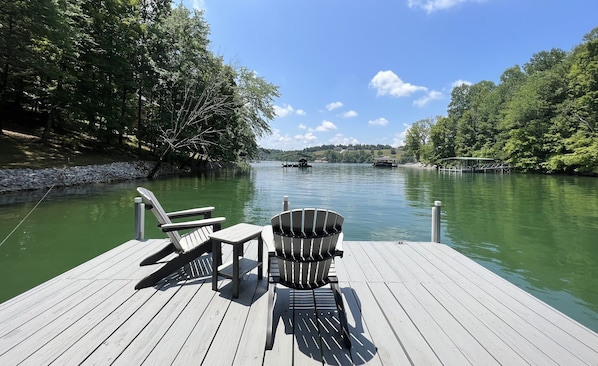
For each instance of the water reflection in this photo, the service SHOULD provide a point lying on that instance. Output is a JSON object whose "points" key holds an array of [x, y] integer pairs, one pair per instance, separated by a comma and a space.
{"points": [[538, 232]]}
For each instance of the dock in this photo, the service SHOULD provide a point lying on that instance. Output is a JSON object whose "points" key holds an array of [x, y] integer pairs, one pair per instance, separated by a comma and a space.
{"points": [[408, 303], [385, 162], [461, 164], [301, 164]]}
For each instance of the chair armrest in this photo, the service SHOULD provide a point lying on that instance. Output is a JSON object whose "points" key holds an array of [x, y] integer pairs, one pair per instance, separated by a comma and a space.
{"points": [[268, 238], [216, 221], [339, 246], [205, 211]]}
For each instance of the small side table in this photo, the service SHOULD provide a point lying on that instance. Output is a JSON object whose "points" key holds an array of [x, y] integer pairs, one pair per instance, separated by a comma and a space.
{"points": [[236, 235]]}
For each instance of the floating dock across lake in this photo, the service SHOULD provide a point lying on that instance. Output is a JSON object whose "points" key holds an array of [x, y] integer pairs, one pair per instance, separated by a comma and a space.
{"points": [[408, 303]]}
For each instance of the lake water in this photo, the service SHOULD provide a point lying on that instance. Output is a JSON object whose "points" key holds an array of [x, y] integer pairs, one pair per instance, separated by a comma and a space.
{"points": [[539, 232]]}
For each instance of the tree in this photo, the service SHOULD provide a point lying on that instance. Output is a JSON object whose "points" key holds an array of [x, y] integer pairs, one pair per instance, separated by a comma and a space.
{"points": [[510, 81], [187, 130], [577, 148], [26, 37], [529, 118], [542, 117], [544, 61], [417, 139], [442, 138], [256, 98], [114, 67], [474, 124], [583, 77]]}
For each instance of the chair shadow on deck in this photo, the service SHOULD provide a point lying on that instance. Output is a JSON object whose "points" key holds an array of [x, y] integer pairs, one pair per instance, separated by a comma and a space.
{"points": [[312, 320], [198, 270]]}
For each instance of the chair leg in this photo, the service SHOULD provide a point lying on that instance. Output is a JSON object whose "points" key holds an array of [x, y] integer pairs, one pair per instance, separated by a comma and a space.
{"points": [[152, 259], [340, 307], [269, 330], [173, 265]]}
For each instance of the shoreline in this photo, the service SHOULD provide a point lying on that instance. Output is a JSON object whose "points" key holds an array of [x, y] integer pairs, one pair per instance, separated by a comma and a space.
{"points": [[18, 180], [28, 179]]}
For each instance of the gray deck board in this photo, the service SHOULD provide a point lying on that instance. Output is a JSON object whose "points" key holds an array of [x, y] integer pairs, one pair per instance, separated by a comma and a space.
{"points": [[407, 303]]}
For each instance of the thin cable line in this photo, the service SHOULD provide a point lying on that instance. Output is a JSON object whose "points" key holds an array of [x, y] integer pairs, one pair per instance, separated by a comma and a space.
{"points": [[25, 218]]}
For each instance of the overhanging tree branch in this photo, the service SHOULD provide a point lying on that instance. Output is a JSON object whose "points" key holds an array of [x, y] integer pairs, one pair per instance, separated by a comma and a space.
{"points": [[189, 128]]}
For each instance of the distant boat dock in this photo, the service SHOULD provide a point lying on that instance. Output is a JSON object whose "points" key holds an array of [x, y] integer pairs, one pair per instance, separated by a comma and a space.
{"points": [[472, 165], [301, 164], [385, 162]]}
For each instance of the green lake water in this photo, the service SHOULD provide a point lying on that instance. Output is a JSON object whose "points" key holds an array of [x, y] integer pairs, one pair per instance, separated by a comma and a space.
{"points": [[538, 232]]}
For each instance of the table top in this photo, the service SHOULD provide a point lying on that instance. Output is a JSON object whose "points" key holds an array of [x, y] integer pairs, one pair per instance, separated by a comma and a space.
{"points": [[238, 233]]}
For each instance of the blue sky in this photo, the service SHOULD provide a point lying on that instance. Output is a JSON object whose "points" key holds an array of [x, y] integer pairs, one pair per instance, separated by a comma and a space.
{"points": [[361, 72]]}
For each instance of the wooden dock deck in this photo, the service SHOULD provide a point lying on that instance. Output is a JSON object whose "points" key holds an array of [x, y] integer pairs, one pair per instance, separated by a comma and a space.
{"points": [[408, 304]]}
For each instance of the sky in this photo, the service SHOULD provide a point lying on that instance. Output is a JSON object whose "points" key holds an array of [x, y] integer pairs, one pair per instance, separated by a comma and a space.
{"points": [[361, 72]]}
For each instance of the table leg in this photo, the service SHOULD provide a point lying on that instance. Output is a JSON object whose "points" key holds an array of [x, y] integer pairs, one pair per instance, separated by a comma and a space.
{"points": [[216, 261], [260, 256], [236, 248]]}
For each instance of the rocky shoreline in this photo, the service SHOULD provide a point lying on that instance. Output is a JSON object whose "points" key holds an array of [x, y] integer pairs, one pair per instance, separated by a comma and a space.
{"points": [[13, 180]]}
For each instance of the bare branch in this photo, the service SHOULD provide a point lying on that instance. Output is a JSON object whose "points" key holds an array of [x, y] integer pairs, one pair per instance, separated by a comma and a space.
{"points": [[189, 125]]}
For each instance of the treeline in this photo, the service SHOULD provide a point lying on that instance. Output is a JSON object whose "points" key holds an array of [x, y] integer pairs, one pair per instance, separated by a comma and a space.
{"points": [[359, 153], [541, 117], [119, 68], [341, 147]]}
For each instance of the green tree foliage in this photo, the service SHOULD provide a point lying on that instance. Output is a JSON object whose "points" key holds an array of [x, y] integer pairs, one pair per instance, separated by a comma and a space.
{"points": [[540, 118], [442, 138], [120, 68], [417, 140], [579, 116]]}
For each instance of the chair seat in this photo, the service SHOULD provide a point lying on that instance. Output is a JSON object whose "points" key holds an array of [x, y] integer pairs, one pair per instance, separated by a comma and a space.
{"points": [[200, 235]]}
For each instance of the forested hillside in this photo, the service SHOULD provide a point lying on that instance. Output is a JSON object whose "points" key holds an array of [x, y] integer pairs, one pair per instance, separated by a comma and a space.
{"points": [[541, 117], [136, 70], [358, 153]]}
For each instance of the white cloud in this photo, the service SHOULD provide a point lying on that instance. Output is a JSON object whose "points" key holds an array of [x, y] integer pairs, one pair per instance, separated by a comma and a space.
{"points": [[399, 139], [305, 139], [199, 4], [350, 114], [334, 105], [287, 142], [326, 126], [388, 83], [302, 126], [275, 140], [339, 139], [431, 6], [432, 95], [378, 122], [283, 111]]}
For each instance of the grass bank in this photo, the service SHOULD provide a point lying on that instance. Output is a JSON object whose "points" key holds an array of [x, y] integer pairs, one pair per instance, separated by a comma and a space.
{"points": [[21, 148]]}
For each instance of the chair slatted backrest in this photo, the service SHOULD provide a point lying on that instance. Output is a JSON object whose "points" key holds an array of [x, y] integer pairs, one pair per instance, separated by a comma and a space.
{"points": [[305, 245], [161, 216]]}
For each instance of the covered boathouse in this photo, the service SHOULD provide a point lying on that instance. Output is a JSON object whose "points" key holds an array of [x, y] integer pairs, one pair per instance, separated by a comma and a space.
{"points": [[473, 165]]}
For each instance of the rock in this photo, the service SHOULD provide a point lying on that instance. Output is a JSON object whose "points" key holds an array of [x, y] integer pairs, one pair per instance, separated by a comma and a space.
{"points": [[12, 180]]}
